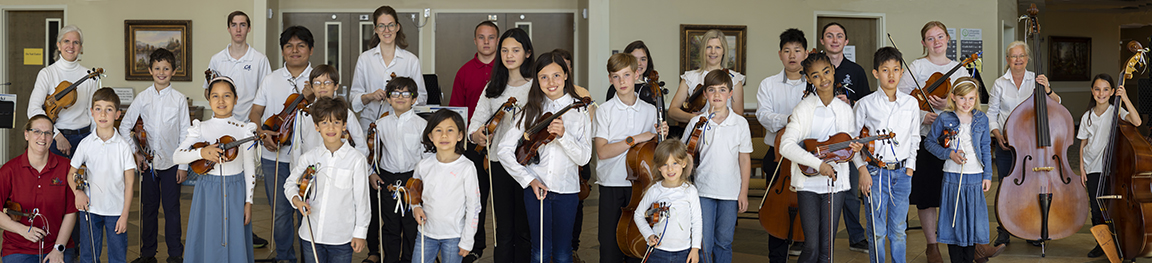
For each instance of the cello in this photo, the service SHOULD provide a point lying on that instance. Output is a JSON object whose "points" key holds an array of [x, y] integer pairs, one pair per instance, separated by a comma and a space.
{"points": [[1123, 195], [779, 209], [639, 160], [1038, 200]]}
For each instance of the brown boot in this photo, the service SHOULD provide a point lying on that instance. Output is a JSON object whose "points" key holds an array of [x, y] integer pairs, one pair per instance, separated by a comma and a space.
{"points": [[933, 254], [983, 252]]}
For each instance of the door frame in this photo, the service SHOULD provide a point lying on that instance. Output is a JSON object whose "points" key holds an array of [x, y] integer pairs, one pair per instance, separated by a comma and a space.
{"points": [[881, 23], [575, 29], [4, 9]]}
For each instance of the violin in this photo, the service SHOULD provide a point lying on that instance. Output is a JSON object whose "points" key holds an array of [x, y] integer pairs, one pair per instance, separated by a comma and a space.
{"points": [[305, 181], [284, 122], [413, 190], [638, 160], [141, 138], [1122, 190], [371, 138], [537, 136], [941, 84], [780, 208], [65, 94], [14, 211], [947, 136], [657, 212], [696, 101], [227, 143], [836, 149], [694, 138], [1039, 199], [494, 121], [81, 178]]}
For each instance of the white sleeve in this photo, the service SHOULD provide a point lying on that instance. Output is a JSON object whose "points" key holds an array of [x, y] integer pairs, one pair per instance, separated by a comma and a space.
{"points": [[360, 198], [994, 106], [576, 141], [184, 126], [790, 147], [40, 91], [638, 215], [506, 152], [481, 114], [697, 218], [860, 115], [250, 157], [357, 133], [128, 120], [765, 113], [418, 77], [290, 188], [914, 122], [471, 207], [360, 84], [183, 155]]}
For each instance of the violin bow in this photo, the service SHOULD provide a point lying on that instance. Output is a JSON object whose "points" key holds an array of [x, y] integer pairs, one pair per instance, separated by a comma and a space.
{"points": [[87, 215], [660, 239], [906, 66]]}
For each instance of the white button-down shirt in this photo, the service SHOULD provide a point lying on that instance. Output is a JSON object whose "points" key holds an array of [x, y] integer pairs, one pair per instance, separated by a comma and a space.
{"points": [[451, 199], [560, 159], [774, 102], [922, 69], [339, 196], [70, 118], [399, 141], [247, 72], [684, 226], [107, 161], [614, 122], [486, 107], [309, 138], [166, 120], [718, 173], [210, 131], [273, 93], [372, 74], [1005, 96], [902, 117]]}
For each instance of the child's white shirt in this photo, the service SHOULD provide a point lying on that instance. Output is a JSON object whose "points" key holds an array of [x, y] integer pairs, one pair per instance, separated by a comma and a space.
{"points": [[340, 207], [210, 131], [399, 141], [718, 173], [166, 120], [684, 226], [451, 199], [107, 160], [614, 122]]}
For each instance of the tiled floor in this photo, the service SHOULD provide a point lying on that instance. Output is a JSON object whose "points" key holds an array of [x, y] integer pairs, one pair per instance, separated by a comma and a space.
{"points": [[749, 246]]}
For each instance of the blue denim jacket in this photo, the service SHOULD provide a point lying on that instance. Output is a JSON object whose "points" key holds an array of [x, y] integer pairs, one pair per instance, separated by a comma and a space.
{"points": [[980, 135]]}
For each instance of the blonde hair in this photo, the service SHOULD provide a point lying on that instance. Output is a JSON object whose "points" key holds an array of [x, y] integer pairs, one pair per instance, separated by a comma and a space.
{"points": [[619, 61], [713, 34], [929, 26], [1015, 44], [962, 86], [671, 149]]}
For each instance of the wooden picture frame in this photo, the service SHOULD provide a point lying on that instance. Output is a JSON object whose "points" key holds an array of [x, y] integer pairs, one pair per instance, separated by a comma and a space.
{"points": [[141, 37], [1069, 58], [690, 44]]}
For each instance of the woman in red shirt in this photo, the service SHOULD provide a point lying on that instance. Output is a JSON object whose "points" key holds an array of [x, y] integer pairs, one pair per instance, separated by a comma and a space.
{"points": [[38, 182]]}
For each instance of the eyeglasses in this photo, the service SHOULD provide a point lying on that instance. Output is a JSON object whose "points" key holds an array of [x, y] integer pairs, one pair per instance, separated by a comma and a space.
{"points": [[48, 133], [389, 27], [402, 94], [1018, 56], [325, 83]]}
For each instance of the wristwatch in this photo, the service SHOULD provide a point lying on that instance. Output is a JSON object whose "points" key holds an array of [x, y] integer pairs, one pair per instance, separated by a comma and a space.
{"points": [[630, 141], [58, 248]]}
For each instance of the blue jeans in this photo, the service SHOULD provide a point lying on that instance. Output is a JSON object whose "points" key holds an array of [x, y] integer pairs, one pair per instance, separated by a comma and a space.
{"points": [[284, 230], [117, 243], [327, 253], [559, 217], [33, 258], [427, 248], [719, 226], [887, 212], [661, 256]]}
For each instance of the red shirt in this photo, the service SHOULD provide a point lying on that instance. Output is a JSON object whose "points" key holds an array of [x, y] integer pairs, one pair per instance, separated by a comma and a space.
{"points": [[47, 191], [470, 81]]}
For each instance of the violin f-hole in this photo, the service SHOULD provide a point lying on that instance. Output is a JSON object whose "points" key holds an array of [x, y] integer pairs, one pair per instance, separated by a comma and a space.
{"points": [[1023, 175], [1063, 178]]}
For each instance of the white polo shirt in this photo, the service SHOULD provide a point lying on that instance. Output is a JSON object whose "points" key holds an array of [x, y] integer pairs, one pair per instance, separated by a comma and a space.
{"points": [[718, 173], [614, 122], [107, 161], [774, 102], [1095, 129], [247, 72], [340, 206], [373, 74], [273, 93]]}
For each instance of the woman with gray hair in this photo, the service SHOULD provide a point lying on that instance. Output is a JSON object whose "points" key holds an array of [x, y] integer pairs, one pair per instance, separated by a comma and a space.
{"points": [[72, 124]]}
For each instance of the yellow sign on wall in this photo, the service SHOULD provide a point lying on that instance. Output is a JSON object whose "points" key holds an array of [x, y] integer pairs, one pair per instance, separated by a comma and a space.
{"points": [[33, 56]]}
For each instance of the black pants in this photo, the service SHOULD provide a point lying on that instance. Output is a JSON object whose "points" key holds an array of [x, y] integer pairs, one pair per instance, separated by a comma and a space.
{"points": [[612, 199], [777, 247], [512, 240], [585, 174], [398, 233], [959, 254], [1097, 214], [153, 194], [482, 179]]}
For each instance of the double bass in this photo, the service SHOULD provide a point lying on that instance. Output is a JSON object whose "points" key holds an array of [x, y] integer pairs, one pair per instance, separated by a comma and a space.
{"points": [[1123, 195], [1040, 199], [639, 160]]}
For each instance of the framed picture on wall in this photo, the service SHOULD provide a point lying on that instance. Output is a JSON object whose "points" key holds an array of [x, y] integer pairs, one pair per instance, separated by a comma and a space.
{"points": [[141, 37], [1069, 58], [691, 42]]}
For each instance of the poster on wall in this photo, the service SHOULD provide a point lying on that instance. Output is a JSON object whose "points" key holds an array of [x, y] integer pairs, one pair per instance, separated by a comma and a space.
{"points": [[971, 42], [951, 53], [850, 53]]}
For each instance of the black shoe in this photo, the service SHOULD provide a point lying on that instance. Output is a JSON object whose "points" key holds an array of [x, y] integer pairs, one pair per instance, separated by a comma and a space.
{"points": [[861, 246], [471, 257], [1096, 252], [1002, 237], [174, 260], [1036, 243], [795, 249], [258, 242], [144, 260]]}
